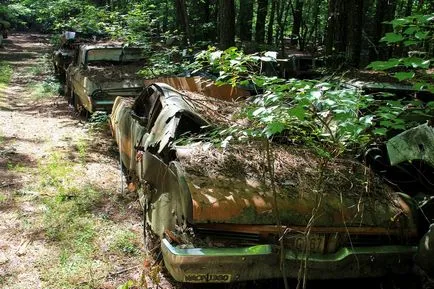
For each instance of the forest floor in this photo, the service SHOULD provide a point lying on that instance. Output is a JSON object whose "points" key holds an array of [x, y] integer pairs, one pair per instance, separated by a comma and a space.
{"points": [[66, 220]]}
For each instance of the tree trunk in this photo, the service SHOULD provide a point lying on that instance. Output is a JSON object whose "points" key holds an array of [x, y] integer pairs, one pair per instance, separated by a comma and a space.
{"points": [[226, 12], [297, 18], [336, 32], [384, 11], [261, 16], [271, 22], [355, 25], [166, 15], [344, 32], [312, 32], [182, 19], [245, 17]]}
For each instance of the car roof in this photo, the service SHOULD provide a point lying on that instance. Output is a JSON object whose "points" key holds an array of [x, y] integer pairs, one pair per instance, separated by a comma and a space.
{"points": [[108, 45]]}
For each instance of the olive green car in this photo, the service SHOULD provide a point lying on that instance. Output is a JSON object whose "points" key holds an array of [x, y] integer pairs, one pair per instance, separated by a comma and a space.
{"points": [[100, 72], [216, 219]]}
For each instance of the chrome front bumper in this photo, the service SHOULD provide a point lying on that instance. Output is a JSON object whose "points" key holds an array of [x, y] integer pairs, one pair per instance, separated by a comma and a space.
{"points": [[216, 265]]}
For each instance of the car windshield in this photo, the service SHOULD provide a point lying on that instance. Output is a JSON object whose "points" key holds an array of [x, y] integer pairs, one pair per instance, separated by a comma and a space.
{"points": [[114, 54]]}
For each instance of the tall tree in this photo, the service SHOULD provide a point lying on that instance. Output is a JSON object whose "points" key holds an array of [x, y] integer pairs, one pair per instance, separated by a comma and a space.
{"points": [[297, 13], [384, 11], [226, 18], [354, 31], [182, 19], [270, 30], [245, 16], [344, 30], [261, 16]]}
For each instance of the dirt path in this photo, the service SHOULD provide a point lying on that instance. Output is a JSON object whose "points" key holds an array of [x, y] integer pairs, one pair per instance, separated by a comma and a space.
{"points": [[48, 158]]}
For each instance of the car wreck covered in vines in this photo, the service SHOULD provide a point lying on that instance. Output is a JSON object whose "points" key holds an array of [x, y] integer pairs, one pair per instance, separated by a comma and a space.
{"points": [[217, 215]]}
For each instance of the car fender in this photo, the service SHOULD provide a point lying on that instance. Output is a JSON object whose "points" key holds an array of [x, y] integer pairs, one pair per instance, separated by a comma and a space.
{"points": [[169, 202]]}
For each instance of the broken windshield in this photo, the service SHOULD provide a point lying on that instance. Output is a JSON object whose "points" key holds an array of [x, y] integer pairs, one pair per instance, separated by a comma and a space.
{"points": [[114, 54]]}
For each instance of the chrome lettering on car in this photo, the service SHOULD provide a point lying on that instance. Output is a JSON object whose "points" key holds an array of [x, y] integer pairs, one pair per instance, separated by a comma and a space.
{"points": [[214, 278]]}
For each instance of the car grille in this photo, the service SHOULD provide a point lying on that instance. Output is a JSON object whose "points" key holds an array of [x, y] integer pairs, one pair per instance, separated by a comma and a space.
{"points": [[315, 243]]}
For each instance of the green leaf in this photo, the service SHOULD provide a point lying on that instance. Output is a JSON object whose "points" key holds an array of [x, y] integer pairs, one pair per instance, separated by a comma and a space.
{"points": [[416, 62], [411, 30], [392, 38], [411, 42], [421, 35], [367, 120], [298, 112], [399, 22], [384, 65], [380, 131], [386, 123], [274, 128], [403, 75], [259, 111]]}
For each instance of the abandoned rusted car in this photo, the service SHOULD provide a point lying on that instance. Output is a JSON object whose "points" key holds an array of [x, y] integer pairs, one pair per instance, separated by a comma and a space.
{"points": [[406, 161], [100, 72], [214, 213], [63, 54]]}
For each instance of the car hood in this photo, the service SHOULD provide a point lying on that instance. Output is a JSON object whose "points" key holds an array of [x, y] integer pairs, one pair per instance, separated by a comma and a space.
{"points": [[228, 189]]}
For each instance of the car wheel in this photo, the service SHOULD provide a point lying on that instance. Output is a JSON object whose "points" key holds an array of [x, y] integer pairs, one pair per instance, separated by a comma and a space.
{"points": [[79, 108]]}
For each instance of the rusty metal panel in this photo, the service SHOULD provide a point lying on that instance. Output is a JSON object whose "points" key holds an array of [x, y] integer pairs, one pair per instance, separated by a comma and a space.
{"points": [[203, 86], [235, 202]]}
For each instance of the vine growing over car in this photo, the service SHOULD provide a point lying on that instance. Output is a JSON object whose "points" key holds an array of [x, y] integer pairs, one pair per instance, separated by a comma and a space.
{"points": [[324, 116]]}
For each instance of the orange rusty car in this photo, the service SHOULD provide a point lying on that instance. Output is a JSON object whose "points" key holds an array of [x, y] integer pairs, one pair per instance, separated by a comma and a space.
{"points": [[216, 219]]}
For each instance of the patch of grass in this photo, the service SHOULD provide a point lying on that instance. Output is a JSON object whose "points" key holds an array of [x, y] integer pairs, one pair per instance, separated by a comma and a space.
{"points": [[46, 89], [16, 167], [85, 244], [69, 223], [42, 66], [35, 70], [125, 242], [82, 147], [42, 83], [5, 74], [55, 172]]}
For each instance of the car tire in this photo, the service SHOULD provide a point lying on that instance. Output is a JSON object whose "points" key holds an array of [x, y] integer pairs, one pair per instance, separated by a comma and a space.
{"points": [[79, 108]]}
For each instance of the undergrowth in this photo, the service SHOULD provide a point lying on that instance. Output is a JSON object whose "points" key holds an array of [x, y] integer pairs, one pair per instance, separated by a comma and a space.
{"points": [[47, 88], [42, 82], [5, 74]]}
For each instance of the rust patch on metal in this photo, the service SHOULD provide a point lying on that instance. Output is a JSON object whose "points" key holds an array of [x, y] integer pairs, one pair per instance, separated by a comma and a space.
{"points": [[203, 86]]}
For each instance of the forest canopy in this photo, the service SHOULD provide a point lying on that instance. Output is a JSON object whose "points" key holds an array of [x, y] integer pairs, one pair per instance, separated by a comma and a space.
{"points": [[228, 40], [345, 30]]}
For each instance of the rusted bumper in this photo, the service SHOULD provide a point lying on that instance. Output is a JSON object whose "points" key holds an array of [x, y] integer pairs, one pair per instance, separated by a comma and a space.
{"points": [[102, 105], [216, 265]]}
